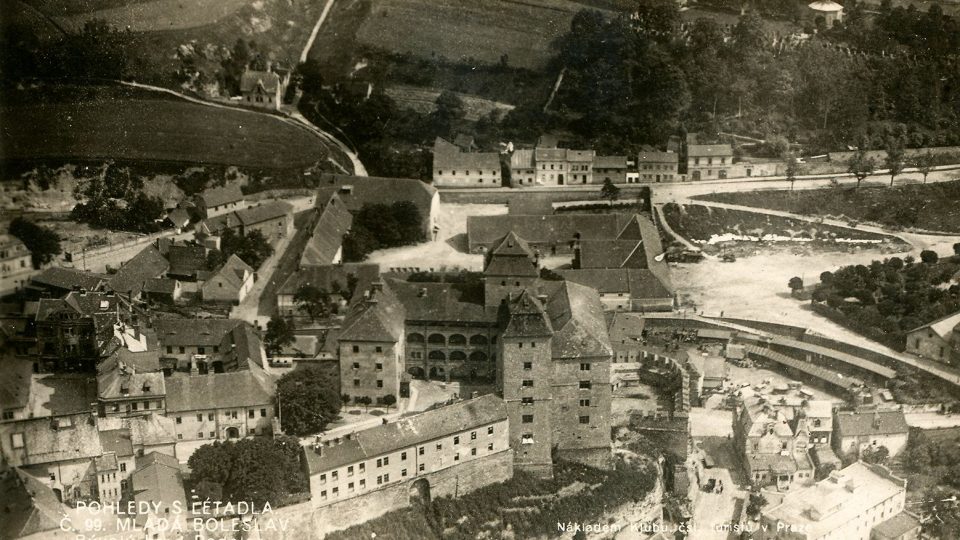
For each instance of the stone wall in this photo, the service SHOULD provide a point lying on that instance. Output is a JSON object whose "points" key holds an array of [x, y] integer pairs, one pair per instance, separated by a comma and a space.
{"points": [[300, 521]]}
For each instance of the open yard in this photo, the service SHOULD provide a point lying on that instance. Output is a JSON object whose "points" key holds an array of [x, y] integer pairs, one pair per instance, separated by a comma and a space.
{"points": [[483, 30], [925, 206], [138, 127]]}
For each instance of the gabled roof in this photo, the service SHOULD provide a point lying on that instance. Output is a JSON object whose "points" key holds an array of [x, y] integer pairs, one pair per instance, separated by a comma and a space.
{"points": [[355, 191], [943, 327], [327, 237], [64, 438], [556, 229], [117, 441], [251, 387], [709, 150], [147, 264], [657, 157], [439, 302], [251, 80], [118, 376], [527, 318], [15, 383], [28, 505], [522, 159], [68, 278], [233, 271], [186, 259], [576, 315], [408, 431], [179, 217], [825, 5], [158, 480], [638, 283], [264, 212], [219, 196], [160, 286], [612, 254], [193, 332], [145, 430], [610, 162], [449, 156]]}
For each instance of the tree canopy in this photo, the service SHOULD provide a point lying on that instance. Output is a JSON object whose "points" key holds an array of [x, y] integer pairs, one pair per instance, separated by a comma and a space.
{"points": [[43, 243], [308, 399]]}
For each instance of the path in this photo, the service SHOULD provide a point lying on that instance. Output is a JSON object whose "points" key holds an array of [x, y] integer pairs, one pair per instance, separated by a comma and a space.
{"points": [[249, 308], [316, 30]]}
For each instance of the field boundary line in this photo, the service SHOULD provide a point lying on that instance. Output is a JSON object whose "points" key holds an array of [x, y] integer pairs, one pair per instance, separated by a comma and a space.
{"points": [[316, 30]]}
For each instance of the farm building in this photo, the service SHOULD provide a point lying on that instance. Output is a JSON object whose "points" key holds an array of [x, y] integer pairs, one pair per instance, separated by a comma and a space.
{"points": [[453, 167], [939, 340]]}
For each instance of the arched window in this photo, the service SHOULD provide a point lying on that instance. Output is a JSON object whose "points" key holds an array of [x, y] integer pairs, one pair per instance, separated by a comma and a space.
{"points": [[458, 356], [477, 356], [437, 355], [478, 340], [437, 339], [457, 339], [415, 338]]}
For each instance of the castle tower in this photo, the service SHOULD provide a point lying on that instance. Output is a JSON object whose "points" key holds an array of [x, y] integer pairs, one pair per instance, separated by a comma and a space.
{"points": [[524, 371], [509, 268]]}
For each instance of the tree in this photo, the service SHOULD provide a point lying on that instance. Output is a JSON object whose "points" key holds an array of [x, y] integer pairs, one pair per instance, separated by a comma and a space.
{"points": [[389, 400], [860, 165], [925, 163], [826, 277], [313, 301], [929, 256], [756, 504], [308, 399], [253, 249], [609, 191], [876, 455], [956, 249], [279, 334], [449, 112], [894, 158], [796, 285], [363, 400], [792, 170], [43, 243]]}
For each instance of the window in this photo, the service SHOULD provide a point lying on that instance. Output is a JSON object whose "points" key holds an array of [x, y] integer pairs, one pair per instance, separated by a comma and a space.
{"points": [[386, 478], [584, 419], [403, 456], [527, 418], [252, 413], [420, 467], [334, 475], [473, 451], [379, 348], [490, 447], [201, 350], [420, 452], [526, 438], [363, 467], [179, 420], [380, 463], [263, 413], [584, 366], [17, 440], [519, 345], [526, 401], [181, 349], [490, 430], [200, 435], [363, 483], [473, 435], [584, 402], [335, 491], [356, 348], [216, 349], [356, 382], [356, 365], [169, 349], [53, 476], [323, 494], [533, 344], [210, 416], [180, 436], [379, 480], [379, 383], [200, 417], [527, 366], [350, 486], [585, 385], [134, 405], [350, 470], [456, 457], [439, 446], [403, 473], [527, 383], [379, 366], [212, 434]]}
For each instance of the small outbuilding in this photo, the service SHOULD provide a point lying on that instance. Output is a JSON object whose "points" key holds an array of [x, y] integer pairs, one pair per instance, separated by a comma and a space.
{"points": [[830, 11]]}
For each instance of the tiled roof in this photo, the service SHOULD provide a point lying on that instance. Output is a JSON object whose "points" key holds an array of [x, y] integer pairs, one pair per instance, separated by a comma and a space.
{"points": [[264, 212], [943, 327], [247, 388], [179, 217], [450, 156], [438, 302], [15, 383], [327, 236], [557, 229], [160, 286], [106, 462], [61, 394], [895, 527], [408, 431], [610, 162], [855, 424], [119, 372], [625, 327], [193, 332], [233, 271], [510, 256], [638, 283], [147, 264], [65, 438], [522, 159], [67, 278], [219, 196], [612, 254], [657, 157], [577, 319], [29, 507], [160, 481], [527, 318], [145, 430], [118, 441], [250, 80], [709, 150], [186, 259], [774, 463], [378, 317]]}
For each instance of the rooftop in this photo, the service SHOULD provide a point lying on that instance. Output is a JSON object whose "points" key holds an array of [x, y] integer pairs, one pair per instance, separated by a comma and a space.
{"points": [[450, 156], [64, 438], [250, 80], [29, 507], [557, 229], [327, 236], [709, 150], [147, 264], [943, 327], [263, 212], [68, 278], [854, 424], [657, 157], [234, 271], [219, 196], [331, 277], [247, 388]]}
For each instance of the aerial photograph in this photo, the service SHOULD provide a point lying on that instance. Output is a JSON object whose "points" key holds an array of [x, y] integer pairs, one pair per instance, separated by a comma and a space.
{"points": [[480, 269]]}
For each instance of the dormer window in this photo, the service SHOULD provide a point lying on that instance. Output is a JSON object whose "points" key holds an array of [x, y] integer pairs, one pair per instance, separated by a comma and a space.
{"points": [[146, 387]]}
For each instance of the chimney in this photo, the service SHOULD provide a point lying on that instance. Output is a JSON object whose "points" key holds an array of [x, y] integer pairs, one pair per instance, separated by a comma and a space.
{"points": [[318, 449]]}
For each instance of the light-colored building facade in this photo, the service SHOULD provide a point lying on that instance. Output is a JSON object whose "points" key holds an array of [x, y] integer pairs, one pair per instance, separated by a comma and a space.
{"points": [[371, 344], [15, 264], [656, 167], [230, 283], [709, 161], [939, 340], [452, 167], [220, 200], [856, 432]]}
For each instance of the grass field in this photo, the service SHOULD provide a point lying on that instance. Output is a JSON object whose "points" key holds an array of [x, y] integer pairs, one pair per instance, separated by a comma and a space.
{"points": [[137, 127], [423, 101], [483, 30], [139, 15], [925, 206]]}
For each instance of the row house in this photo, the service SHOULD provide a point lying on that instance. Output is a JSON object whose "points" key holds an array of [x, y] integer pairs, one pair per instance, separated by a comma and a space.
{"points": [[655, 167], [709, 161], [452, 167], [15, 264], [220, 200]]}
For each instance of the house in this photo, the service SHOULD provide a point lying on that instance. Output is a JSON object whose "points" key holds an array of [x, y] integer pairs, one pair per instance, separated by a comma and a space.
{"points": [[152, 432], [222, 200], [709, 161], [612, 168], [336, 280], [523, 169], [162, 508], [164, 290], [551, 166], [356, 191], [938, 340], [203, 346], [714, 370], [188, 260], [453, 167], [852, 504], [625, 289], [549, 235], [826, 10], [409, 458], [15, 264], [31, 509], [179, 218], [325, 245], [60, 452], [273, 219], [854, 432], [371, 343], [144, 266], [262, 89], [57, 281], [230, 283], [130, 384], [766, 441], [655, 166], [73, 331], [115, 465]]}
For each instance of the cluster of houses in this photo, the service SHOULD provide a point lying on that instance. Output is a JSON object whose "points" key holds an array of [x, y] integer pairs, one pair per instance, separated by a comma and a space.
{"points": [[460, 165]]}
